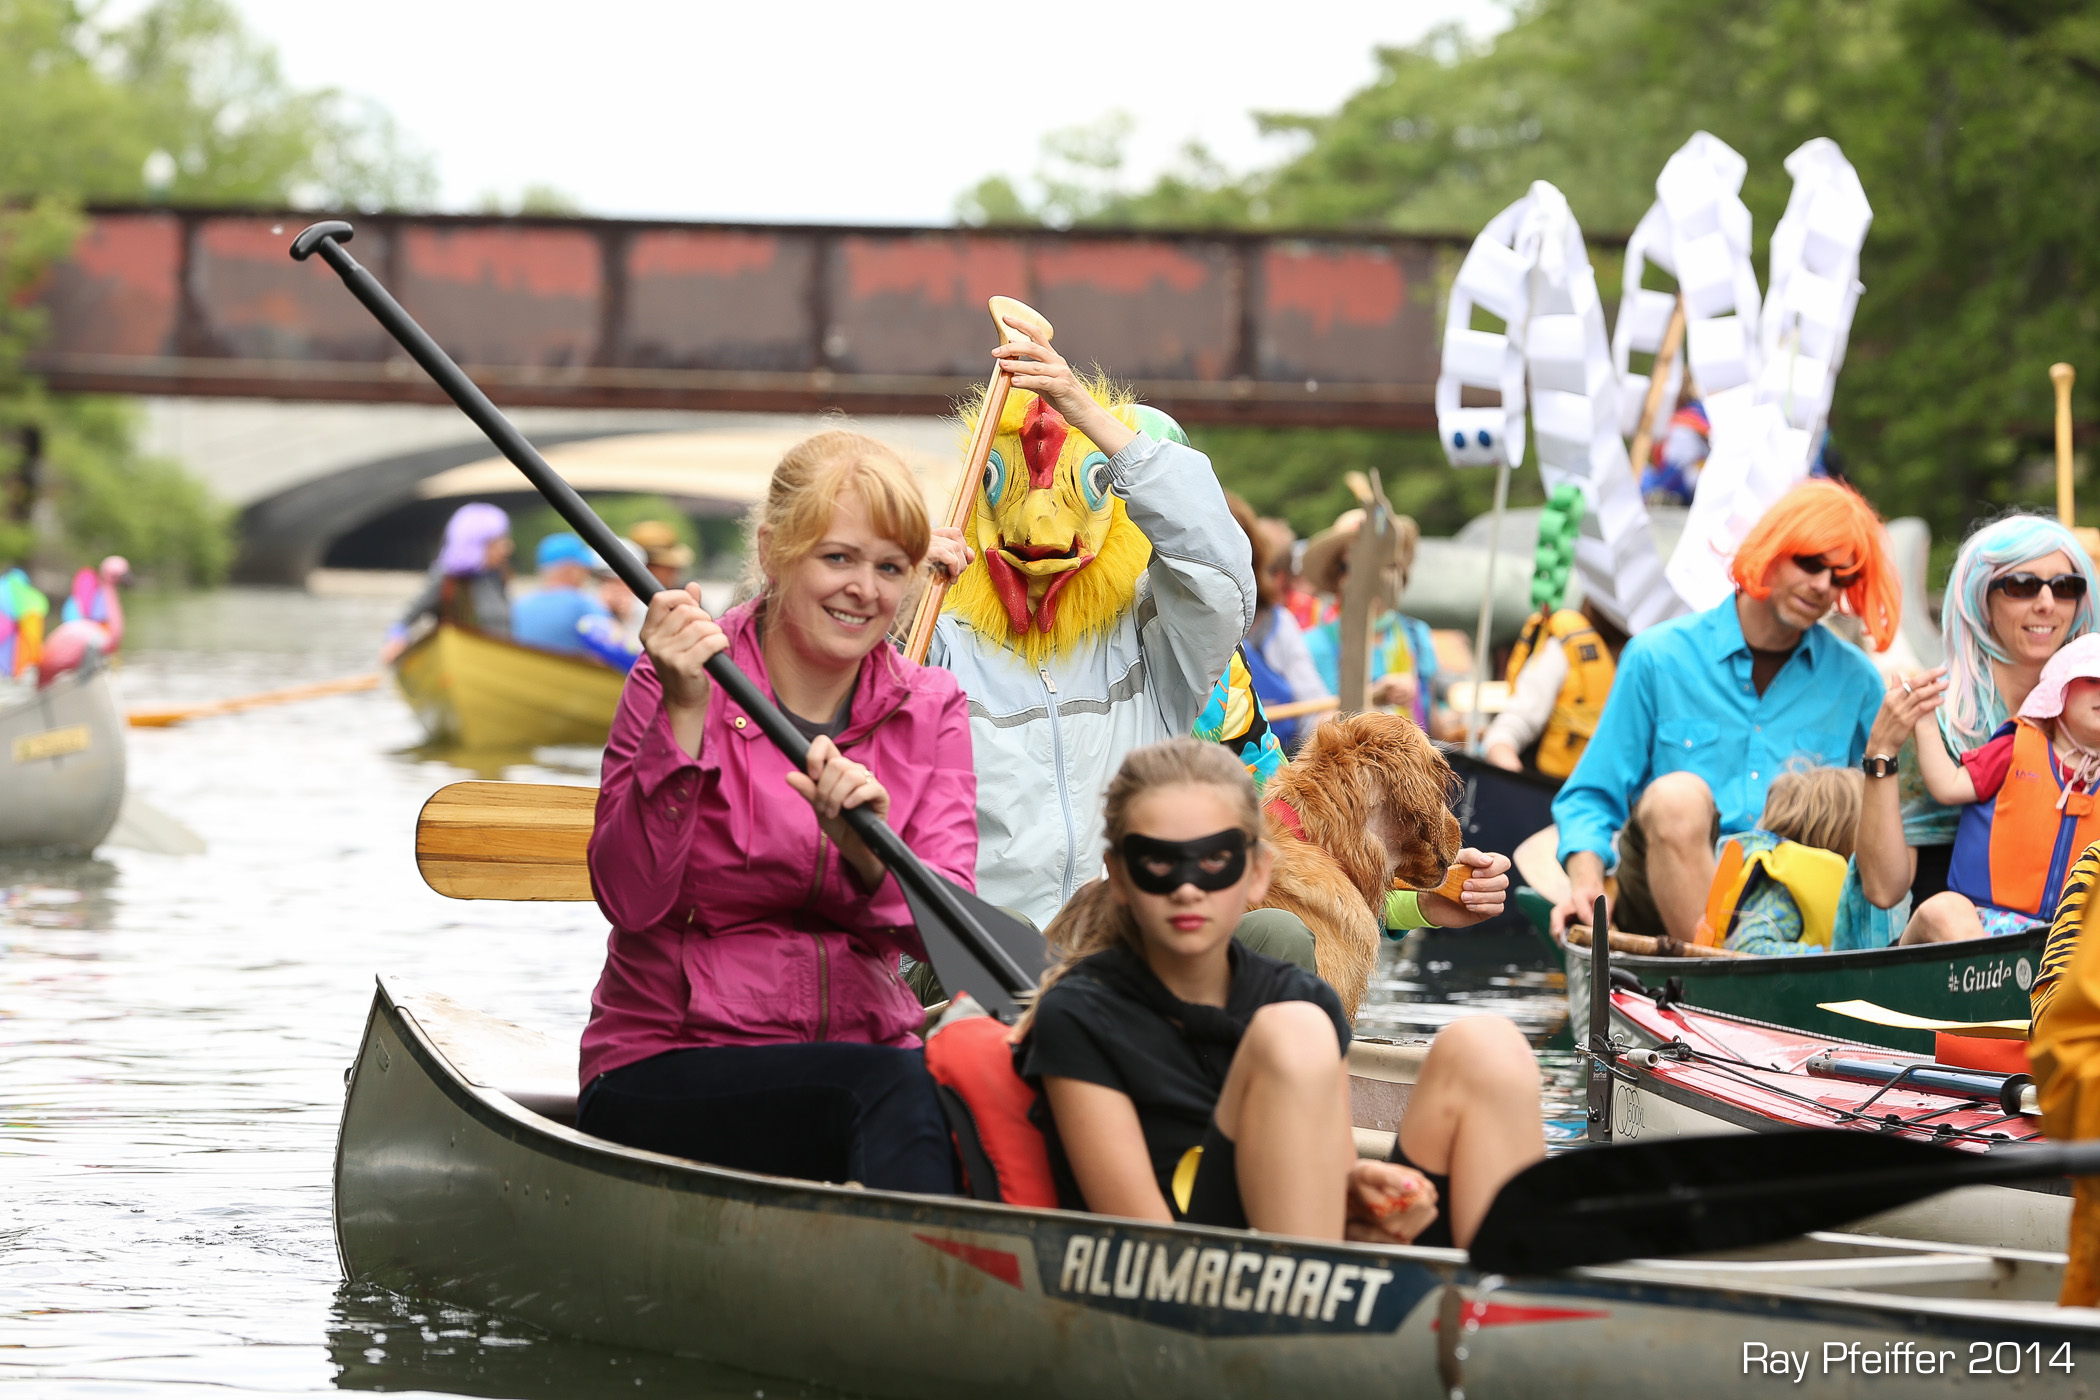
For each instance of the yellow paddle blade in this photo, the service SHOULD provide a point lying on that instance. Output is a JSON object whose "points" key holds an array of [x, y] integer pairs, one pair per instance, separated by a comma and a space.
{"points": [[507, 840], [1882, 1016], [162, 717]]}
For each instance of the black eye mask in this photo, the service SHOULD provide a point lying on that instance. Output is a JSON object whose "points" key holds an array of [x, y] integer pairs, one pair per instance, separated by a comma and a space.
{"points": [[1184, 861]]}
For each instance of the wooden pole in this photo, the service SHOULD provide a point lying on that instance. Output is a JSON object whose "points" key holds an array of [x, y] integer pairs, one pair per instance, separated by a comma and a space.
{"points": [[1658, 378], [1487, 604], [2063, 375], [1369, 554], [959, 505]]}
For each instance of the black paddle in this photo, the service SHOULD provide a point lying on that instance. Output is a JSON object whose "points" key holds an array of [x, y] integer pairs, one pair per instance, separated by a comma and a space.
{"points": [[1694, 1194], [973, 945]]}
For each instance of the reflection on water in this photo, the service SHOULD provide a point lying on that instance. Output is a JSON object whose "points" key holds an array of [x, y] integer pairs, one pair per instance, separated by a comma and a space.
{"points": [[381, 1341], [173, 1034]]}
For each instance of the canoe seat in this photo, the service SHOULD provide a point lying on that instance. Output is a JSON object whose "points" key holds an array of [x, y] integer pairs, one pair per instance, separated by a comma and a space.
{"points": [[528, 1067]]}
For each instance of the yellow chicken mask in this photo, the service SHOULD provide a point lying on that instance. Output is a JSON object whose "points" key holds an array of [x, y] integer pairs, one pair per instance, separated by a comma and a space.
{"points": [[1058, 559]]}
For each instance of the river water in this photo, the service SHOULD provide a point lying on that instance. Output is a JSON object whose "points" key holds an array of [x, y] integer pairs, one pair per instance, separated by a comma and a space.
{"points": [[174, 1030]]}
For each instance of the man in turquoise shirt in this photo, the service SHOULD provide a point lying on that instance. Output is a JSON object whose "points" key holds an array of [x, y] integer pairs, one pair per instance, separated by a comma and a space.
{"points": [[1707, 709]]}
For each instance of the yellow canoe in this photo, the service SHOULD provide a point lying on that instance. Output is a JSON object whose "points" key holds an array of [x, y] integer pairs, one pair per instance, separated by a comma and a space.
{"points": [[484, 692]]}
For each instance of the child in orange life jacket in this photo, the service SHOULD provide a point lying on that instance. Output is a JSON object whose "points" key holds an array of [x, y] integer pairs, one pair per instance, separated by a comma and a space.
{"points": [[1790, 885], [2027, 799], [1189, 1078]]}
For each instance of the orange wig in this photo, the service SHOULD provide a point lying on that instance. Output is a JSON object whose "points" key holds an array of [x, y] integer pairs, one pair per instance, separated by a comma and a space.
{"points": [[1824, 518]]}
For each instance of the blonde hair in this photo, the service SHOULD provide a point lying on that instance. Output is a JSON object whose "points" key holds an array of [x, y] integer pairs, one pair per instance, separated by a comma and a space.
{"points": [[1816, 807], [807, 484], [1093, 920]]}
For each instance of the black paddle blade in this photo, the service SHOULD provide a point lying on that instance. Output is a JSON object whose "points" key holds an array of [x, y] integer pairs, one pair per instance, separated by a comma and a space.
{"points": [[960, 969], [1696, 1194]]}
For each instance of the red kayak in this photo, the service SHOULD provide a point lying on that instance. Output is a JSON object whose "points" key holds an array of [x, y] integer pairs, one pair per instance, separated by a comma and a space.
{"points": [[1684, 1071]]}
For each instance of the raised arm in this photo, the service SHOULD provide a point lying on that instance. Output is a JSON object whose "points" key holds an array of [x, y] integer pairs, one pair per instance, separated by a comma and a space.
{"points": [[1201, 579], [1887, 864], [1945, 778]]}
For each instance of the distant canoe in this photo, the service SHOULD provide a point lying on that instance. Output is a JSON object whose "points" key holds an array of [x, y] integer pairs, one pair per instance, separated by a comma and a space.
{"points": [[484, 692], [62, 764]]}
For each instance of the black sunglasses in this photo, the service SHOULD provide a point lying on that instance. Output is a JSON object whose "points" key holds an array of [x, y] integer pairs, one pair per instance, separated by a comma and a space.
{"points": [[2022, 584], [1813, 564]]}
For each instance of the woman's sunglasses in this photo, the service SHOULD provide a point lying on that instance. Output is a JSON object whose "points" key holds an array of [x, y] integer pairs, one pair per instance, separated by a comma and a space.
{"points": [[2023, 585], [1813, 564]]}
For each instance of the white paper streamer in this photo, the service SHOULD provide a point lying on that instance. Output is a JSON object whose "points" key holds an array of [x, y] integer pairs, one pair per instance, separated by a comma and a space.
{"points": [[1530, 267], [1765, 433]]}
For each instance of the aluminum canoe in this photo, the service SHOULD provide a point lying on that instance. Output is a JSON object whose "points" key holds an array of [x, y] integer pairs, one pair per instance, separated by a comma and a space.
{"points": [[62, 764], [459, 1178], [491, 694]]}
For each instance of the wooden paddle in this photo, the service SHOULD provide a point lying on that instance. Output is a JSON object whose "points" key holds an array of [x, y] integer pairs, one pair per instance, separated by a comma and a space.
{"points": [[1694, 1194], [1640, 945], [528, 840], [959, 505], [2062, 376], [507, 841], [161, 717], [1658, 379], [973, 946]]}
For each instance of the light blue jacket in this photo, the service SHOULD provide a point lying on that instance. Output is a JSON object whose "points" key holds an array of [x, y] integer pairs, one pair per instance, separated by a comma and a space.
{"points": [[1683, 702], [1047, 741]]}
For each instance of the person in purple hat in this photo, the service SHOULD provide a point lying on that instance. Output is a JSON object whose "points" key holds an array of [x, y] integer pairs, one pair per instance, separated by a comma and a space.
{"points": [[469, 584], [2028, 805]]}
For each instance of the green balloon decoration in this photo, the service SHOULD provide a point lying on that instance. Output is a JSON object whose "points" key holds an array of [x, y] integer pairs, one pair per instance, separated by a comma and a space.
{"points": [[1559, 524]]}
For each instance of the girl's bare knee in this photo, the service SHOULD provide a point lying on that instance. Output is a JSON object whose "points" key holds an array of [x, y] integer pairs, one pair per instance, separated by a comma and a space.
{"points": [[1483, 1052], [1292, 1038]]}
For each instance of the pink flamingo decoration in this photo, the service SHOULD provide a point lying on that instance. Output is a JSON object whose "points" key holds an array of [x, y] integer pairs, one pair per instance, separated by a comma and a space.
{"points": [[94, 621]]}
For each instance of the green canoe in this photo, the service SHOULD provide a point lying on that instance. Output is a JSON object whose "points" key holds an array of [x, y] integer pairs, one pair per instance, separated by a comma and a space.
{"points": [[1984, 979]]}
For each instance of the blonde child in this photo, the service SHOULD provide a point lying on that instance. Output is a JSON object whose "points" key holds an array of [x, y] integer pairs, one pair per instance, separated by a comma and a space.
{"points": [[1790, 884], [1188, 1078]]}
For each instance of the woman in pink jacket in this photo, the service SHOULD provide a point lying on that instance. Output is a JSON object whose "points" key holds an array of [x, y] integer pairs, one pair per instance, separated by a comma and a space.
{"points": [[751, 1013]]}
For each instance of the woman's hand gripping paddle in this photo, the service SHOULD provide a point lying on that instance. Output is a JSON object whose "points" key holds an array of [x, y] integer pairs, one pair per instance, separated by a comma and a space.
{"points": [[1003, 309], [1595, 1205], [973, 946]]}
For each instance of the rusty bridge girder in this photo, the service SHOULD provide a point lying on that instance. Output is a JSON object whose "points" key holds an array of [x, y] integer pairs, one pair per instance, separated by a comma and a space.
{"points": [[1325, 330]]}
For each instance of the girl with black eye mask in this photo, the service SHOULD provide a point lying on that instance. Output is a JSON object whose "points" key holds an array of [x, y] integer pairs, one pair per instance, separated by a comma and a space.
{"points": [[1186, 1077]]}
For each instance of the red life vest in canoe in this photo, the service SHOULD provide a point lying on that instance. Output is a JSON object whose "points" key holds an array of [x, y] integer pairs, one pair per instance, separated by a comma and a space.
{"points": [[2014, 850], [1003, 1155]]}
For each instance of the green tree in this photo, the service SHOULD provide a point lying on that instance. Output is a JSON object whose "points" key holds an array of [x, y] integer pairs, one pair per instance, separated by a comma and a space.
{"points": [[180, 102], [1974, 124]]}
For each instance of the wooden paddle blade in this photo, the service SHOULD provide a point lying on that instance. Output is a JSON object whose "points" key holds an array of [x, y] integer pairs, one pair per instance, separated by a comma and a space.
{"points": [[1697, 1194], [507, 841], [961, 970], [1004, 307]]}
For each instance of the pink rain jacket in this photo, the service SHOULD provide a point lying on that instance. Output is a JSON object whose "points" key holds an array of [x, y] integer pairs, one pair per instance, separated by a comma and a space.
{"points": [[734, 920]]}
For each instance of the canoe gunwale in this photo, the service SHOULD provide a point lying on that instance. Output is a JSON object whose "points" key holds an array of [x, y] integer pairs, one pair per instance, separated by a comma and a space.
{"points": [[494, 1109], [1854, 960]]}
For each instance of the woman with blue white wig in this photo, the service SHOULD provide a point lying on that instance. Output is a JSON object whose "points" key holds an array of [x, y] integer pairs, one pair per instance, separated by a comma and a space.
{"points": [[2021, 587]]}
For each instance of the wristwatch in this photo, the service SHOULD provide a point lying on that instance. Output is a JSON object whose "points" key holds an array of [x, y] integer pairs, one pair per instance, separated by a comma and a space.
{"points": [[1878, 765]]}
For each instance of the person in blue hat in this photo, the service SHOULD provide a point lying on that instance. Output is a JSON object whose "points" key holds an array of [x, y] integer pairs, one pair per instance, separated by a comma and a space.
{"points": [[566, 596]]}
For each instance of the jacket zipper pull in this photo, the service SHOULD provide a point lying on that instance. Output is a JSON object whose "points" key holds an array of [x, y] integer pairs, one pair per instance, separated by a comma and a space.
{"points": [[1044, 672]]}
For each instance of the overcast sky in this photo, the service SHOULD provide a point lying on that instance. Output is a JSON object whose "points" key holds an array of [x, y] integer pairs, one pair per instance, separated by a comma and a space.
{"points": [[820, 110]]}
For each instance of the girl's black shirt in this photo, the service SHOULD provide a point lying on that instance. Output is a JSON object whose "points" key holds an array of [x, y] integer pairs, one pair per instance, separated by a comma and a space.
{"points": [[1110, 1021]]}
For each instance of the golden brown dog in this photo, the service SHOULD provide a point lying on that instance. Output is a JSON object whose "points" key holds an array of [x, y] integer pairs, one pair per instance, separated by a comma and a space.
{"points": [[1369, 797]]}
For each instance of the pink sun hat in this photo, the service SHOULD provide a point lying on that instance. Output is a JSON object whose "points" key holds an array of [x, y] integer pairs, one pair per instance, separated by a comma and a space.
{"points": [[2077, 659]]}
